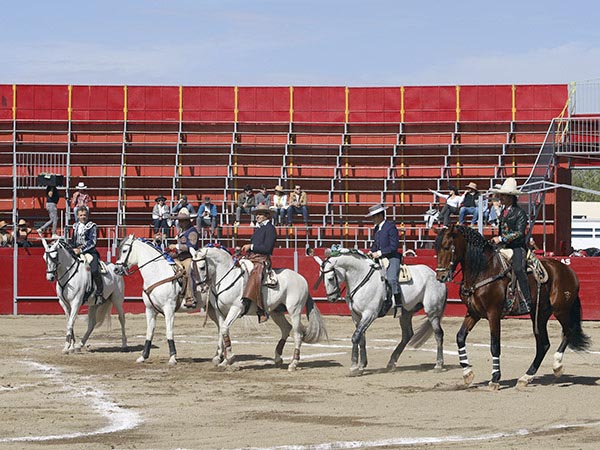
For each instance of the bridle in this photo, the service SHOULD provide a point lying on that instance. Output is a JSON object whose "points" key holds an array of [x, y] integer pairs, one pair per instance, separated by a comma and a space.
{"points": [[449, 270], [51, 256], [205, 279], [337, 293], [123, 268]]}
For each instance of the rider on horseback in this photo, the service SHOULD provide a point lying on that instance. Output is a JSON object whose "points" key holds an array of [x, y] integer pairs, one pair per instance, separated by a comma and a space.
{"points": [[385, 245], [513, 222], [187, 237], [259, 251], [84, 240]]}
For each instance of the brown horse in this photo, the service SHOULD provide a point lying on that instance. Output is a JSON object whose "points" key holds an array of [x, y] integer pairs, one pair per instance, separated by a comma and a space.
{"points": [[483, 291]]}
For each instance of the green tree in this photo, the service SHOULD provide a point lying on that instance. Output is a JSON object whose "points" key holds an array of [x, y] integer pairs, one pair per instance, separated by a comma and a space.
{"points": [[589, 179]]}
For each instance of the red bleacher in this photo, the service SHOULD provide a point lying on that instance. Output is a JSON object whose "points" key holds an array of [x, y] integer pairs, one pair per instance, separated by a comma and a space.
{"points": [[347, 147]]}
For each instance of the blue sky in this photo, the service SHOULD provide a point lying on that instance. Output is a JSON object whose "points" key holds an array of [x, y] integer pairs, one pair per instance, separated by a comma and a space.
{"points": [[280, 42]]}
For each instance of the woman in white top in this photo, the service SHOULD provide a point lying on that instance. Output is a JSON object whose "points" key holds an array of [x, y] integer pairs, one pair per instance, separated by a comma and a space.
{"points": [[452, 206], [279, 206]]}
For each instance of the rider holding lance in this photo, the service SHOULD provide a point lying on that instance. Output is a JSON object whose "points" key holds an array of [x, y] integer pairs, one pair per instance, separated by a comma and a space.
{"points": [[259, 251], [385, 245], [511, 229], [84, 240]]}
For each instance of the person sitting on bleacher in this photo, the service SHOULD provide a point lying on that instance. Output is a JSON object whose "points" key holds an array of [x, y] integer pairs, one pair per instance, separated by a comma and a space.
{"points": [[246, 202], [469, 205], [453, 201], [207, 217], [279, 206], [298, 205]]}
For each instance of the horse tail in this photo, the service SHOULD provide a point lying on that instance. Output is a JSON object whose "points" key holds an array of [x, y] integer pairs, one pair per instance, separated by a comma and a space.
{"points": [[426, 329], [577, 339], [103, 313], [315, 331]]}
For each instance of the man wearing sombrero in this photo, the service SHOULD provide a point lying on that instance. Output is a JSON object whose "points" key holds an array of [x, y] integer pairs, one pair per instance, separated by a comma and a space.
{"points": [[259, 251], [385, 245], [511, 233], [186, 238], [469, 205]]}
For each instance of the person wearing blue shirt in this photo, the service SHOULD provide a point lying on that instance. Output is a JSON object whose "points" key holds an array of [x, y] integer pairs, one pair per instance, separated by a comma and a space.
{"points": [[259, 251], [207, 216], [84, 240], [385, 245]]}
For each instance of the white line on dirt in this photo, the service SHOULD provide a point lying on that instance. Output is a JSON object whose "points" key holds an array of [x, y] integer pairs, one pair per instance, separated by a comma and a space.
{"points": [[420, 440], [119, 419]]}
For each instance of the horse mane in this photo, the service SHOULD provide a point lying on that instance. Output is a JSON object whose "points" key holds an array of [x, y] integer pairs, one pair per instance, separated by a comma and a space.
{"points": [[339, 251], [476, 245]]}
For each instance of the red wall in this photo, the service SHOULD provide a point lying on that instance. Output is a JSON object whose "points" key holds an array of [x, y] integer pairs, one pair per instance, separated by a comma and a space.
{"points": [[32, 282]]}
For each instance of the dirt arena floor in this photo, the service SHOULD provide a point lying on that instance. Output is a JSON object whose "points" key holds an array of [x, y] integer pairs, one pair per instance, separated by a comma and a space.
{"points": [[101, 398]]}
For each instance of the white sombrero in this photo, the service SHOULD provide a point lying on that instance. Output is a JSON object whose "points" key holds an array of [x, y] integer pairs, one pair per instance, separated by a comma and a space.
{"points": [[376, 209], [509, 187]]}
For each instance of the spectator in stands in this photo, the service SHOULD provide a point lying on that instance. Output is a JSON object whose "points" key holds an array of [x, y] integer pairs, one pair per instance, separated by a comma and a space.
{"points": [[6, 238], [262, 198], [52, 198], [21, 234], [279, 206], [183, 203], [453, 201], [298, 205], [80, 198], [245, 204], [386, 241], [494, 208], [160, 216], [186, 238], [84, 240], [469, 204], [208, 217]]}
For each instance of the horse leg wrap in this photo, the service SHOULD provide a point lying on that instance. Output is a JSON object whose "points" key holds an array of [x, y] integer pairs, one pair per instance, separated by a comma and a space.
{"points": [[462, 357], [280, 345], [296, 354], [226, 341], [172, 350], [146, 351], [495, 368]]}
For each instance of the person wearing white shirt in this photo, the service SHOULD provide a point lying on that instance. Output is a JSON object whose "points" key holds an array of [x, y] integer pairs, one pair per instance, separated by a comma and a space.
{"points": [[452, 206]]}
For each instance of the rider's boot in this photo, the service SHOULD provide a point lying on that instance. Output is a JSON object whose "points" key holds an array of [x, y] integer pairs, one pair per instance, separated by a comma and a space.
{"points": [[97, 277], [387, 304], [397, 303], [525, 305]]}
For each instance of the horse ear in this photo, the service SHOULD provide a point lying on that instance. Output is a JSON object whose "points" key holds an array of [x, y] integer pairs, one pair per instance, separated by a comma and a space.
{"points": [[318, 260], [327, 253], [45, 244], [192, 252]]}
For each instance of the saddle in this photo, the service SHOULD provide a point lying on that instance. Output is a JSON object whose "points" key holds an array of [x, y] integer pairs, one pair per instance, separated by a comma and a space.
{"points": [[269, 276], [404, 275], [515, 304]]}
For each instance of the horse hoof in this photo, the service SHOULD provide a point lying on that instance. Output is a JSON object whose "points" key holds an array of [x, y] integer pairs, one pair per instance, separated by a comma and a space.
{"points": [[278, 362], [390, 366], [356, 371], [125, 349], [217, 360], [141, 359], [293, 366], [558, 371], [172, 361], [468, 377], [438, 369], [524, 381], [493, 386]]}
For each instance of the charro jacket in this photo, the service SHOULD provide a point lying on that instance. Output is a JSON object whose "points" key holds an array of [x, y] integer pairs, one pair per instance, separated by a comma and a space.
{"points": [[512, 227]]}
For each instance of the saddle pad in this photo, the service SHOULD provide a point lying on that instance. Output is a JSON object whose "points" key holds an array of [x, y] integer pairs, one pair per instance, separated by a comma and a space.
{"points": [[534, 265]]}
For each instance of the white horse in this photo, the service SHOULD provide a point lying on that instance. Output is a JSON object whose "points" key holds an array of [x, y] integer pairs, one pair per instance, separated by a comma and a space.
{"points": [[366, 292], [161, 287], [215, 269], [73, 288]]}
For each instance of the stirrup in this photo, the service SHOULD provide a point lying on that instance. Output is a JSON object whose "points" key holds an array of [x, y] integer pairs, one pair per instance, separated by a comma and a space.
{"points": [[245, 306], [190, 303], [263, 316]]}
